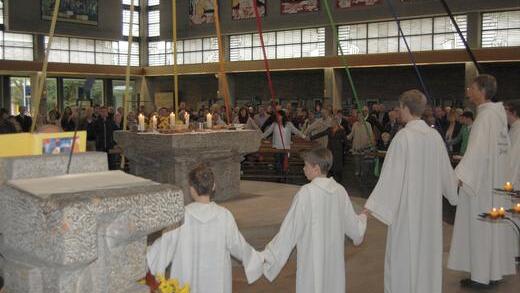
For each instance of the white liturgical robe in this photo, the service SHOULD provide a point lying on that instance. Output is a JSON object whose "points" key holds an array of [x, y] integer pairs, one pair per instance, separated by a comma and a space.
{"points": [[200, 250], [482, 248], [318, 219], [408, 198], [514, 154]]}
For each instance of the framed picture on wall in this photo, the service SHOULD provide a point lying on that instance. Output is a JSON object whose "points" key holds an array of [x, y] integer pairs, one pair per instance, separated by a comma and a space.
{"points": [[356, 3], [297, 6], [201, 11], [244, 9], [78, 11]]}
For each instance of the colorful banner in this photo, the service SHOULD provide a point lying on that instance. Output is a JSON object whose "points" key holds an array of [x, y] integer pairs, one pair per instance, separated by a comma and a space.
{"points": [[243, 9], [356, 3], [79, 11], [201, 11], [297, 6]]}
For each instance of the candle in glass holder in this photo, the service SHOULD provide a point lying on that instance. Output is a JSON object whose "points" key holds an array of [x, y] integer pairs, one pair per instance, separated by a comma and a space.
{"points": [[501, 212], [172, 120], [187, 119], [494, 213], [508, 187], [517, 208], [141, 126], [209, 120], [154, 122]]}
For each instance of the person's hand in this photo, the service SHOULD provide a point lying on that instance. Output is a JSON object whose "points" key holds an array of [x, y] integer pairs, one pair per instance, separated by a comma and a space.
{"points": [[460, 183], [365, 212]]}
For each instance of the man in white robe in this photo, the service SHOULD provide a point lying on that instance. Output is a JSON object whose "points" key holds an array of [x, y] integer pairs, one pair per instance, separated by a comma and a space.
{"points": [[200, 250], [320, 216], [482, 248], [408, 198], [513, 119]]}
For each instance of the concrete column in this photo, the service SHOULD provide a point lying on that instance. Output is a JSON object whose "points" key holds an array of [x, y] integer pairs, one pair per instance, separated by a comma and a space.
{"points": [[331, 48], [232, 91], [333, 85], [474, 29]]}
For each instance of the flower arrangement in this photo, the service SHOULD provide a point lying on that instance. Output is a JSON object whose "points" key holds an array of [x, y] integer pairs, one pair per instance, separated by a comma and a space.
{"points": [[160, 284]]}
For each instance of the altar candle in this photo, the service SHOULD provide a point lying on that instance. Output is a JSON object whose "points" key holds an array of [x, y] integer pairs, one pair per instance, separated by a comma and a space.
{"points": [[501, 212], [141, 122], [209, 120], [494, 213], [172, 120], [187, 119], [517, 208], [508, 187], [154, 122]]}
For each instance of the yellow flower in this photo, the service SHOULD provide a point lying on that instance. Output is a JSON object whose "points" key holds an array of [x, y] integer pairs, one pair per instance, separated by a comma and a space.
{"points": [[185, 289]]}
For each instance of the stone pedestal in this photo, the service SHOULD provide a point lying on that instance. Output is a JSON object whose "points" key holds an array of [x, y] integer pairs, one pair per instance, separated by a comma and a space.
{"points": [[79, 233], [168, 158]]}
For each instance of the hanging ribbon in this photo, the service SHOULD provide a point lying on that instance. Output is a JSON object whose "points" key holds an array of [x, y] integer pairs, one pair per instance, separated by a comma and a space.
{"points": [[266, 66], [43, 77], [174, 52], [333, 26], [222, 62], [128, 63], [461, 36], [411, 56]]}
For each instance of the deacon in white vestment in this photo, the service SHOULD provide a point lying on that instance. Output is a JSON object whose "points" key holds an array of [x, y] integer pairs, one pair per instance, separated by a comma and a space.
{"points": [[479, 247], [320, 216], [200, 250], [513, 119], [408, 198]]}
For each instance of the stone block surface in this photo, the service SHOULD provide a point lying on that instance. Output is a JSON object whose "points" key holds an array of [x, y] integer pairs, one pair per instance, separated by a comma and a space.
{"points": [[89, 235]]}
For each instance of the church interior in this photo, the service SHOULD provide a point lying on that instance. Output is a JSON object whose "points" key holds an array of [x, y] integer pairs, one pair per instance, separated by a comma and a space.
{"points": [[259, 146]]}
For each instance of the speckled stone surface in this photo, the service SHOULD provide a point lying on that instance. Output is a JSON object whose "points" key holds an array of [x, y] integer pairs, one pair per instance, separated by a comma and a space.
{"points": [[51, 165], [90, 240], [168, 158]]}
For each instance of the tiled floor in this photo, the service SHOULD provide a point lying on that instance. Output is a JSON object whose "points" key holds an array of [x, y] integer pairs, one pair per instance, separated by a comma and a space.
{"points": [[259, 212]]}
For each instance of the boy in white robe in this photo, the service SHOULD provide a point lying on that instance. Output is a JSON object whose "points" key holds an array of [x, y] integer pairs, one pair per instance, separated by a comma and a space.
{"points": [[200, 250], [408, 198], [320, 216], [483, 249]]}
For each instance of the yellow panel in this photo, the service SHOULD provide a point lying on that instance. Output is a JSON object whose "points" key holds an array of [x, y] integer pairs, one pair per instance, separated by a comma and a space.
{"points": [[26, 144]]}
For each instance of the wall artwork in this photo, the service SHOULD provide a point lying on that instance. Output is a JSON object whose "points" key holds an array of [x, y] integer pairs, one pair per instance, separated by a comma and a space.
{"points": [[201, 11], [356, 3], [244, 9], [78, 11], [297, 6]]}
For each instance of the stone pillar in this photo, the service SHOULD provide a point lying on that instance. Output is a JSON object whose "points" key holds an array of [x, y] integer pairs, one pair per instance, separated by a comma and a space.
{"points": [[474, 29], [333, 88]]}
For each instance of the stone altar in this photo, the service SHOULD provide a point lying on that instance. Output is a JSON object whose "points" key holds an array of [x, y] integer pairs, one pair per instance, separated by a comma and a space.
{"points": [[78, 233], [168, 158]]}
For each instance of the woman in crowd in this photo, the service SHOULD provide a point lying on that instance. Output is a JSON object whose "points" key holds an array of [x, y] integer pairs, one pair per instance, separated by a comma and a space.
{"points": [[67, 121], [336, 145], [452, 131], [243, 117]]}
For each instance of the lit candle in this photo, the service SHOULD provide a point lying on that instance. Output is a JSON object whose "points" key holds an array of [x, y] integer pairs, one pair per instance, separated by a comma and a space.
{"points": [[494, 213], [141, 126], [517, 208], [154, 122], [209, 120], [187, 119], [501, 212], [172, 120], [508, 187]]}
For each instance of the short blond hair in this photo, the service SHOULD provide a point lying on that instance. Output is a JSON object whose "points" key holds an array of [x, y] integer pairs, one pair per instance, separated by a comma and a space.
{"points": [[415, 101], [320, 156]]}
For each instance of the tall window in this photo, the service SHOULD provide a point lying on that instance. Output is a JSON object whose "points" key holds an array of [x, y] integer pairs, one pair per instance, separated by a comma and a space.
{"points": [[73, 88], [14, 46], [278, 45], [501, 29], [193, 51], [1, 12], [20, 93], [422, 34], [135, 35]]}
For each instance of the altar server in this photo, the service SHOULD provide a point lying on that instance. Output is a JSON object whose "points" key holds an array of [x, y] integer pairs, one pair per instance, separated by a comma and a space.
{"points": [[513, 119], [200, 250], [482, 248], [408, 198], [320, 216]]}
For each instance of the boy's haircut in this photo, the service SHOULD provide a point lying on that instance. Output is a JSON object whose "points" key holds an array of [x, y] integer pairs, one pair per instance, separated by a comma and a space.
{"points": [[320, 156], [201, 178], [415, 101], [488, 84], [468, 114]]}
